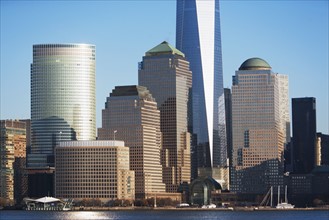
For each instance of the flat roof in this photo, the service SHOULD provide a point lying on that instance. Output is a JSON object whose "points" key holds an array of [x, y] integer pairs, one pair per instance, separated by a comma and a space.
{"points": [[93, 143]]}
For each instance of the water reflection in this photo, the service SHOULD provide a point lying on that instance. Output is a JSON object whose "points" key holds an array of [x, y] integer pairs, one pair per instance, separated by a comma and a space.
{"points": [[89, 215], [163, 215]]}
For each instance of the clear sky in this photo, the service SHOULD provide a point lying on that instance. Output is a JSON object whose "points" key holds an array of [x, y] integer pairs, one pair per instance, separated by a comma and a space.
{"points": [[292, 36]]}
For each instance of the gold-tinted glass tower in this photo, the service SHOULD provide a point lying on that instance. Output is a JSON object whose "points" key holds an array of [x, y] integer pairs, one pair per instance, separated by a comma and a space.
{"points": [[131, 115], [166, 73]]}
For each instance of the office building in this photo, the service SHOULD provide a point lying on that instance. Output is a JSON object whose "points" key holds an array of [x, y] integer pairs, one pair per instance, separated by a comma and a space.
{"points": [[93, 170], [165, 72], [198, 36], [62, 98], [304, 134], [259, 105], [131, 115], [13, 179]]}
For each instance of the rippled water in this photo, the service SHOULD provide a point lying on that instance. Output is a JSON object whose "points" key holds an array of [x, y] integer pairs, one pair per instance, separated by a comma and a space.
{"points": [[166, 215]]}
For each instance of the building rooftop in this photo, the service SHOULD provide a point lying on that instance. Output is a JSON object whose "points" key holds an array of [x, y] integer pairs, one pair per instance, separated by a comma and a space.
{"points": [[132, 90], [92, 143], [255, 64], [164, 48]]}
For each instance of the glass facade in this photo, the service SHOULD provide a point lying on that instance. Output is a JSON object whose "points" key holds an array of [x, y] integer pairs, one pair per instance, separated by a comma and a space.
{"points": [[198, 37], [62, 98], [93, 170], [304, 134], [167, 76]]}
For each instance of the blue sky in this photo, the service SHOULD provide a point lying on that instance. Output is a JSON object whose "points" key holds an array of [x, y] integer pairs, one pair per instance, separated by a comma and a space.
{"points": [[292, 36]]}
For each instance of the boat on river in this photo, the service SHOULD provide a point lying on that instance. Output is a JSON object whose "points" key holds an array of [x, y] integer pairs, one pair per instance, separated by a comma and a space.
{"points": [[285, 204]]}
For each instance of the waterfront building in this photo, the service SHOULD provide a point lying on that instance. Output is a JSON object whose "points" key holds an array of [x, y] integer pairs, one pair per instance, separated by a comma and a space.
{"points": [[304, 134], [165, 72], [259, 105], [131, 115], [305, 189], [93, 170], [13, 179], [62, 98], [198, 36]]}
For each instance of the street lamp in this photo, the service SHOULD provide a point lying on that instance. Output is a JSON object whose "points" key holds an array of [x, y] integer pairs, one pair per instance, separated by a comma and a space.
{"points": [[60, 137], [114, 134]]}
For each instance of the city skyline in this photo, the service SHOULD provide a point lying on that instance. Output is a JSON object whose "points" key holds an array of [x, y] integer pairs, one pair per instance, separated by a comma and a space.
{"points": [[295, 44]]}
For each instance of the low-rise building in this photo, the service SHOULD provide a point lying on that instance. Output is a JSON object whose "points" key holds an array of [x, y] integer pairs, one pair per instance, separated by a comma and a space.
{"points": [[93, 170]]}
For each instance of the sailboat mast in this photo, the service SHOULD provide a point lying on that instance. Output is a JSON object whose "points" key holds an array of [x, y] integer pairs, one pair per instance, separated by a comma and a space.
{"points": [[285, 195], [271, 196], [278, 194]]}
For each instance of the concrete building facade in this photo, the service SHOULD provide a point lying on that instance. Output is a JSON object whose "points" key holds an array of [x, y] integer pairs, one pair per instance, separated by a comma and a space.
{"points": [[165, 72], [260, 126], [131, 115], [93, 170], [13, 178]]}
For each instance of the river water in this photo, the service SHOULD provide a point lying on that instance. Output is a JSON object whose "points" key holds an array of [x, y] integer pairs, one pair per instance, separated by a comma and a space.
{"points": [[165, 215]]}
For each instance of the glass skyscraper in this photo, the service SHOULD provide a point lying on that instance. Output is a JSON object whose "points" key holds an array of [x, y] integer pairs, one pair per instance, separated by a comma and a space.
{"points": [[198, 37], [62, 98], [304, 134]]}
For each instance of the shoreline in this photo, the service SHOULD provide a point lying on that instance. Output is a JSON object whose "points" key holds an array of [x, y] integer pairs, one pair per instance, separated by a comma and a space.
{"points": [[233, 209], [195, 209]]}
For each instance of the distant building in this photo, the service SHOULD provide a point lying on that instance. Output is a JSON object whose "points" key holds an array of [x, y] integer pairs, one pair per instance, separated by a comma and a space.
{"points": [[13, 178], [324, 148], [305, 189], [93, 170], [304, 134], [260, 119], [228, 117], [165, 72], [62, 98], [131, 115]]}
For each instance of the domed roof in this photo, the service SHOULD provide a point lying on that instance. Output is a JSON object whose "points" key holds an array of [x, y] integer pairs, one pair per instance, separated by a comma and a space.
{"points": [[255, 64]]}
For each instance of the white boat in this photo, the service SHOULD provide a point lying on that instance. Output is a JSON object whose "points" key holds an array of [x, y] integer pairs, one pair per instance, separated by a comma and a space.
{"points": [[183, 205], [285, 204], [210, 206]]}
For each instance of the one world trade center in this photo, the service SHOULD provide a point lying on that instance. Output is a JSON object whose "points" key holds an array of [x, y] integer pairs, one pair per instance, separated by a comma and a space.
{"points": [[198, 36]]}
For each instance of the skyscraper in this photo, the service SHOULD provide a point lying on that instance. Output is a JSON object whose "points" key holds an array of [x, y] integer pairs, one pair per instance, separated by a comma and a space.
{"points": [[62, 98], [198, 37], [131, 115], [304, 134], [259, 109], [165, 72]]}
